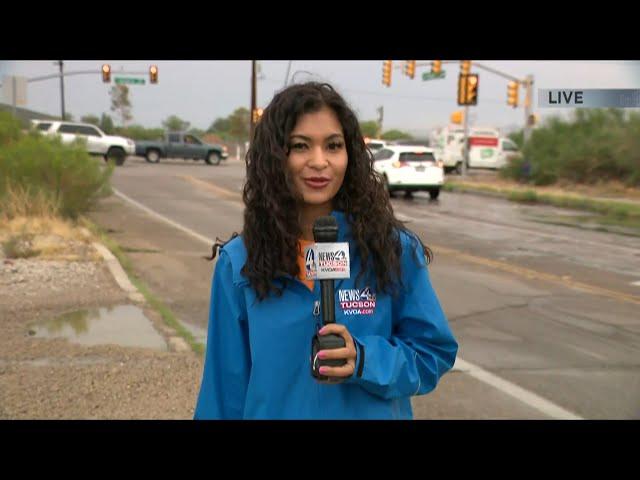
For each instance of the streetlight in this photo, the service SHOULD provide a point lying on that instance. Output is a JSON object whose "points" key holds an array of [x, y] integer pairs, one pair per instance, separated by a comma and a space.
{"points": [[293, 77]]}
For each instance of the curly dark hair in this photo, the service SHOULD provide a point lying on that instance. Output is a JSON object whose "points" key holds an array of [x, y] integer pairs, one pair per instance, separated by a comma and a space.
{"points": [[271, 229]]}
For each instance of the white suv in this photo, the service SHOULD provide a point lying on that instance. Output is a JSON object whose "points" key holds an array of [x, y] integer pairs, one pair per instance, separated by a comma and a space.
{"points": [[410, 168], [98, 142]]}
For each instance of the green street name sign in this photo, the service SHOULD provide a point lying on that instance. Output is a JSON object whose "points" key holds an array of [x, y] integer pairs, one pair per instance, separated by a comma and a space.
{"points": [[129, 80], [432, 76]]}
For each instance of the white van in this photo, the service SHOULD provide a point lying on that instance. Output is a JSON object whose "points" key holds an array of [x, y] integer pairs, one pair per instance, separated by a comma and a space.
{"points": [[487, 149], [448, 146]]}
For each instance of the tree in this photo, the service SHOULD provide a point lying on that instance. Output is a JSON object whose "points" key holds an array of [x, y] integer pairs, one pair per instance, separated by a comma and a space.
{"points": [[68, 116], [120, 102], [396, 135], [196, 132], [369, 128], [92, 119], [220, 126], [138, 132], [106, 124], [239, 124], [175, 124]]}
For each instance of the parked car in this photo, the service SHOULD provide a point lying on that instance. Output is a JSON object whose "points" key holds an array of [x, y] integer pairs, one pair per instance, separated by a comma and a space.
{"points": [[97, 142], [410, 169], [375, 144], [181, 145]]}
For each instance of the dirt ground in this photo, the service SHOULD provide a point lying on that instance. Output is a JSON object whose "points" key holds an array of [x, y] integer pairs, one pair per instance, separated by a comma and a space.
{"points": [[54, 378]]}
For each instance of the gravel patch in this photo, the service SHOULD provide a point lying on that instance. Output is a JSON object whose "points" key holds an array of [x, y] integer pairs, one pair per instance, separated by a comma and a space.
{"points": [[53, 378]]}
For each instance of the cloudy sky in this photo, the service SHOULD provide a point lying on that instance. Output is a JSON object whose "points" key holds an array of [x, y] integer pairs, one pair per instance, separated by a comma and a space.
{"points": [[201, 91]]}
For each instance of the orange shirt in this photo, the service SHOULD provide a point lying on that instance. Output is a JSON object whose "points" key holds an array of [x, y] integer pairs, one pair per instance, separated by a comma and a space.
{"points": [[302, 276]]}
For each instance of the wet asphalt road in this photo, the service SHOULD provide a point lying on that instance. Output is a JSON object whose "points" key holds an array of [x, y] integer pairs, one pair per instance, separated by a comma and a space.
{"points": [[547, 317]]}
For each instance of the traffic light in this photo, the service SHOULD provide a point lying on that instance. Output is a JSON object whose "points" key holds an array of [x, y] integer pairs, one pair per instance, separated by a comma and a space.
{"points": [[386, 72], [106, 73], [468, 89], [410, 68], [257, 115], [436, 67], [153, 74], [512, 94], [471, 97], [465, 67]]}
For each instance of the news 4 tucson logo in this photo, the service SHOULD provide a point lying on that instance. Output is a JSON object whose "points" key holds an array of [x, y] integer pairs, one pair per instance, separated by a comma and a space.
{"points": [[357, 302], [310, 263]]}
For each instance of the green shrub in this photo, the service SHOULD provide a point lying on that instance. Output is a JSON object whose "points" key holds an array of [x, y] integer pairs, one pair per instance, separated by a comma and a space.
{"points": [[10, 128], [36, 170], [596, 145]]}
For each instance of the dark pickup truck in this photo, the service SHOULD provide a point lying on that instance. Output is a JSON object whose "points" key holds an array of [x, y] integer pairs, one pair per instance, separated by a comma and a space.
{"points": [[181, 145]]}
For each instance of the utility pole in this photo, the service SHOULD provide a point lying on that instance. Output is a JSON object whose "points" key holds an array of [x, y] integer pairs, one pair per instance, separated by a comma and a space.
{"points": [[252, 124], [286, 78], [14, 94], [380, 119], [528, 109], [465, 156], [60, 63]]}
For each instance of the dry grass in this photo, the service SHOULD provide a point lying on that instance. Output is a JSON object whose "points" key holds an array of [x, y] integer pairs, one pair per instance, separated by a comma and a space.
{"points": [[47, 238], [20, 201], [611, 190]]}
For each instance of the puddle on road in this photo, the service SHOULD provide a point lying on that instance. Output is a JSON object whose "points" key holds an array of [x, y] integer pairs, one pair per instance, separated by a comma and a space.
{"points": [[124, 325]]}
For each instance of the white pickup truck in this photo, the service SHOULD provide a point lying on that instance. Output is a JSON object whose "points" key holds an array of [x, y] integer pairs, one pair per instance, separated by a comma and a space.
{"points": [[98, 142]]}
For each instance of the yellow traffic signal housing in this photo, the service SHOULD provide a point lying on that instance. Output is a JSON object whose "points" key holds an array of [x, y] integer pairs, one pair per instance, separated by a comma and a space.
{"points": [[512, 94], [468, 89], [410, 68], [106, 73], [462, 85], [465, 67], [153, 74], [386, 72], [257, 115], [436, 66], [471, 95]]}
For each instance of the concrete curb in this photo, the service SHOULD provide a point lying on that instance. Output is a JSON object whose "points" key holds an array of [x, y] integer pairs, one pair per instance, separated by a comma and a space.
{"points": [[118, 273], [175, 343]]}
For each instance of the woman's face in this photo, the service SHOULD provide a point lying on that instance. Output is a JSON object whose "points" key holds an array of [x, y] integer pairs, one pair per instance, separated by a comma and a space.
{"points": [[317, 156]]}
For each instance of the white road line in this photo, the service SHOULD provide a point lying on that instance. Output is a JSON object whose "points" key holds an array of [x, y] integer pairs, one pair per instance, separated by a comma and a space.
{"points": [[636, 284], [525, 396], [158, 216], [529, 398]]}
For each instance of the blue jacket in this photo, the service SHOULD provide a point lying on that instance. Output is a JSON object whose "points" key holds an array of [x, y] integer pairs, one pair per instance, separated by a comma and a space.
{"points": [[257, 360]]}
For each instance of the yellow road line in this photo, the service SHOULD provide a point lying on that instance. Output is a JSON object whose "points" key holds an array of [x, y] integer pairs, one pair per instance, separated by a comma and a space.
{"points": [[534, 274], [225, 193], [498, 265]]}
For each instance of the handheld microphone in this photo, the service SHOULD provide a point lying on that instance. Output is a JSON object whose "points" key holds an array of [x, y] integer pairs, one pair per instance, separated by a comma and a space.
{"points": [[325, 230]]}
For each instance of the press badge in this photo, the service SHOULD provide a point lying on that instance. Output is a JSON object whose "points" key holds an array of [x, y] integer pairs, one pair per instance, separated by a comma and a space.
{"points": [[324, 261]]}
